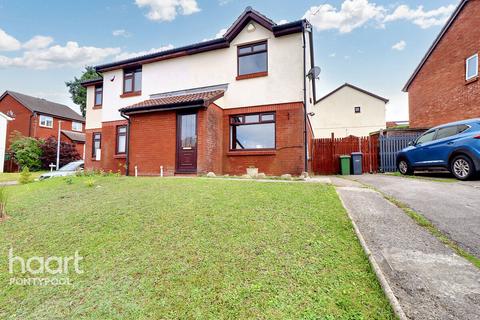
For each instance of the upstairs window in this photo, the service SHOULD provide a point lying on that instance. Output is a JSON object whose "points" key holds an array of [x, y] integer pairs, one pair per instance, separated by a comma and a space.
{"points": [[46, 121], [132, 80], [77, 126], [121, 139], [472, 67], [98, 95], [252, 58], [252, 131]]}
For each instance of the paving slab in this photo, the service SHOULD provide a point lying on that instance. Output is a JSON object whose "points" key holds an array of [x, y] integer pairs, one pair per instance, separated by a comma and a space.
{"points": [[428, 279], [453, 208]]}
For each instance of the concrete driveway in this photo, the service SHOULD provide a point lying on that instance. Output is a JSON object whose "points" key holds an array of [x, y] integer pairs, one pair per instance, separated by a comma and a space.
{"points": [[453, 207]]}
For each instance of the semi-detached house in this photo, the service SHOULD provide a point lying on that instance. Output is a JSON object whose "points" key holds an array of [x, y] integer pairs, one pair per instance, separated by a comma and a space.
{"points": [[217, 106]]}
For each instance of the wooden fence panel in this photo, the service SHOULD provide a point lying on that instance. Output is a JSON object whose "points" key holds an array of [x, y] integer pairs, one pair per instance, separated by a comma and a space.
{"points": [[327, 151]]}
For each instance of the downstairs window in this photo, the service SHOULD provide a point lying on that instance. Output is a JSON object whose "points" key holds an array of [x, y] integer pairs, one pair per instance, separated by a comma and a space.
{"points": [[252, 131]]}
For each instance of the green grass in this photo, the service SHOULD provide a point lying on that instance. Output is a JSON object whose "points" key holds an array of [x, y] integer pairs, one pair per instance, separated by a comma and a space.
{"points": [[13, 176], [423, 177], [188, 249]]}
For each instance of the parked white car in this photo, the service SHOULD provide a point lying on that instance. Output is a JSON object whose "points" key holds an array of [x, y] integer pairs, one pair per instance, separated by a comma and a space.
{"points": [[69, 169]]}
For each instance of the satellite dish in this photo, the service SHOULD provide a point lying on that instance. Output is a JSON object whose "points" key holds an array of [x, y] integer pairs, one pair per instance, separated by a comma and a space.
{"points": [[314, 73]]}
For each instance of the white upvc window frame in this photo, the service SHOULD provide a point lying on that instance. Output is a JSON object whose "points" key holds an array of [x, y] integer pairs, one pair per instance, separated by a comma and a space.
{"points": [[76, 129], [45, 120], [467, 62]]}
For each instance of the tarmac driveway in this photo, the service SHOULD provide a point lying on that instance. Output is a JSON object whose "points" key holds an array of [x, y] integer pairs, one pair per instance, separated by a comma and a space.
{"points": [[453, 207]]}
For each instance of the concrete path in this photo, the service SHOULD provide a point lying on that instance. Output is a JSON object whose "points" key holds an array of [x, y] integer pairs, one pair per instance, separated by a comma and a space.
{"points": [[453, 208], [429, 280]]}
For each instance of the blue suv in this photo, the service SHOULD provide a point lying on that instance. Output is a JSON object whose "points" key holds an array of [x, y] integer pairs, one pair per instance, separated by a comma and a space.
{"points": [[454, 146]]}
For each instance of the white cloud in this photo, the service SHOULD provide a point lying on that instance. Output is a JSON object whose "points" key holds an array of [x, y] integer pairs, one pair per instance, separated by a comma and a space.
{"points": [[219, 34], [283, 21], [420, 17], [38, 42], [121, 33], [59, 56], [332, 55], [352, 14], [400, 46], [7, 42], [167, 10], [128, 55]]}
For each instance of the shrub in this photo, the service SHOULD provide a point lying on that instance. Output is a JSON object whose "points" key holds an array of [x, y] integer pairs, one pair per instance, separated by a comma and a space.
{"points": [[68, 180], [25, 176], [3, 202], [68, 153], [90, 182], [26, 151]]}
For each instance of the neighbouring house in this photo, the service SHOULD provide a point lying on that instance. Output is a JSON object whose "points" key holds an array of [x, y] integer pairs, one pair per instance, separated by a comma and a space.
{"points": [[40, 118], [4, 119], [348, 111], [217, 106], [445, 87], [398, 124]]}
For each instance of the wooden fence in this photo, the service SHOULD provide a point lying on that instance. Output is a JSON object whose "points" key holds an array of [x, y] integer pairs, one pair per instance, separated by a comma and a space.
{"points": [[326, 153]]}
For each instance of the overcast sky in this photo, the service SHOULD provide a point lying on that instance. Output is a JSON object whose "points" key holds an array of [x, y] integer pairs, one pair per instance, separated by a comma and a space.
{"points": [[372, 44]]}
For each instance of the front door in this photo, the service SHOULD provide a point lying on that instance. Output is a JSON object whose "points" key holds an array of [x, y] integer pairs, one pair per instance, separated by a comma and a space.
{"points": [[186, 143]]}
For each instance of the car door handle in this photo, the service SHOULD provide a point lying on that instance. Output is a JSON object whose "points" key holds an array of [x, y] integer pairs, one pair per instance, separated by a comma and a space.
{"points": [[450, 143]]}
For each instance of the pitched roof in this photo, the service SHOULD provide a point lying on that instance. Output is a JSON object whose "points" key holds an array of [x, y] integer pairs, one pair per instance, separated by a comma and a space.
{"points": [[198, 97], [435, 43], [355, 88], [248, 15], [44, 106], [74, 136]]}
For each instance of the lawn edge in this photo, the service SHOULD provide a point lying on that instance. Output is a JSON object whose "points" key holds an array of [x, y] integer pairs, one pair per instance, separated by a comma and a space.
{"points": [[387, 290]]}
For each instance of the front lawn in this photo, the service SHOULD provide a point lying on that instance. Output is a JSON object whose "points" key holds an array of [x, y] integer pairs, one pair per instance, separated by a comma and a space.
{"points": [[13, 176], [188, 249]]}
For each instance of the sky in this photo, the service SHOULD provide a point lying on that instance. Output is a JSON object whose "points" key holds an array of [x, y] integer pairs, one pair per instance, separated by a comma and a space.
{"points": [[373, 44]]}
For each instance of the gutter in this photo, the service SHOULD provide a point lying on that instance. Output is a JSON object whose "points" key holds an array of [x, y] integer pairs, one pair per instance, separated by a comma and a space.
{"points": [[127, 144]]}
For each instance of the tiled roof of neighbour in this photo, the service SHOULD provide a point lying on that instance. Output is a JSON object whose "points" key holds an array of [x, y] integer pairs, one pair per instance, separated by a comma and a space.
{"points": [[44, 106], [74, 136], [223, 42], [437, 40], [178, 99], [353, 87]]}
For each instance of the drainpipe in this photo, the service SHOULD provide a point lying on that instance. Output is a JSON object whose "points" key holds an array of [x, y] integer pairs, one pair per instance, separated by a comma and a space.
{"points": [[127, 143], [305, 136], [30, 124]]}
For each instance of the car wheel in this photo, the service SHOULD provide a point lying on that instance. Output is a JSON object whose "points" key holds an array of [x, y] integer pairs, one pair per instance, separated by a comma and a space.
{"points": [[462, 168], [404, 167]]}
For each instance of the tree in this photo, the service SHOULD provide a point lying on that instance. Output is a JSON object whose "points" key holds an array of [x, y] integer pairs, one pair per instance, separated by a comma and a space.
{"points": [[26, 151], [77, 91], [68, 153]]}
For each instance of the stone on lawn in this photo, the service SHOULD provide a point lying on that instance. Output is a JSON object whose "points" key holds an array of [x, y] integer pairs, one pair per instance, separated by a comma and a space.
{"points": [[211, 175], [261, 175], [286, 177]]}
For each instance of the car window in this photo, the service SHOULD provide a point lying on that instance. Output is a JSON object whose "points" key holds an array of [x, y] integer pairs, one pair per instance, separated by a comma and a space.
{"points": [[463, 127], [72, 166], [446, 132], [427, 137]]}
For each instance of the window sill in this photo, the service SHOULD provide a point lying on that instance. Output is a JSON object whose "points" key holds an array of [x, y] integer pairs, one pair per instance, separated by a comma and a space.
{"points": [[120, 156], [97, 106], [46, 127], [252, 153], [131, 94], [472, 80], [252, 75]]}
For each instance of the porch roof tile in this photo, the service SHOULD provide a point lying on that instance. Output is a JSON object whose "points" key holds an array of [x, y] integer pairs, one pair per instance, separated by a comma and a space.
{"points": [[176, 101]]}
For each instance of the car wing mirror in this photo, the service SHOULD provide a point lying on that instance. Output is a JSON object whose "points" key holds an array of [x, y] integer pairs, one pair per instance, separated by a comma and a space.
{"points": [[411, 143]]}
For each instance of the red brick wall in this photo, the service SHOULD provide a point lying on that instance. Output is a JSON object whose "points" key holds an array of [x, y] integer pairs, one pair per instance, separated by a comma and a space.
{"points": [[439, 94], [210, 140], [289, 154], [153, 143], [109, 160], [21, 123]]}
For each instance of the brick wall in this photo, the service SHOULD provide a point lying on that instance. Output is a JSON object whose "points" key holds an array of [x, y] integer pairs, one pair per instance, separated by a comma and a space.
{"points": [[289, 154], [153, 143], [21, 123], [439, 94]]}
